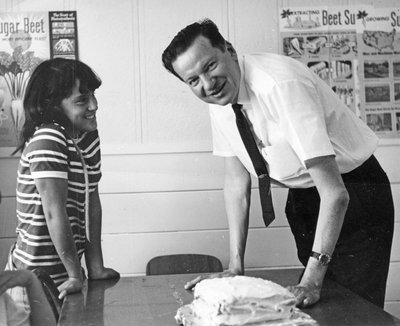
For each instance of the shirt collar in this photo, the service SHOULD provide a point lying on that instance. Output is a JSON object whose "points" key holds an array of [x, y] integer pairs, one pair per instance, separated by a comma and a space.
{"points": [[243, 96]]}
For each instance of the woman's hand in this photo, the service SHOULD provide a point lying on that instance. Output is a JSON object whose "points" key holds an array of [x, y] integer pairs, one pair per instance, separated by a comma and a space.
{"points": [[305, 295], [191, 284], [103, 274], [72, 285]]}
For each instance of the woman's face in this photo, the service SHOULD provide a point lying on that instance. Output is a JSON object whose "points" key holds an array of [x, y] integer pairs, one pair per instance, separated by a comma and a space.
{"points": [[80, 109]]}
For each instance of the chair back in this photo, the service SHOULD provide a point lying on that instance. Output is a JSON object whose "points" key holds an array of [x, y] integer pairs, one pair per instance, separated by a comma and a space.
{"points": [[183, 264], [50, 290]]}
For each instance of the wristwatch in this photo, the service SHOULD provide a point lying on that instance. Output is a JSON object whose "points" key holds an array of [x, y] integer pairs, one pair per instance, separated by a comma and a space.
{"points": [[323, 259]]}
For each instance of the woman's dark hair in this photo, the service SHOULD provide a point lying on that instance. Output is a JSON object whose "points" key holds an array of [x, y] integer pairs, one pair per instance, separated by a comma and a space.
{"points": [[52, 81], [185, 38]]}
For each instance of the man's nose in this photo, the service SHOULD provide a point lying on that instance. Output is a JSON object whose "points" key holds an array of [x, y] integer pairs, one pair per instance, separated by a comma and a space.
{"points": [[208, 82]]}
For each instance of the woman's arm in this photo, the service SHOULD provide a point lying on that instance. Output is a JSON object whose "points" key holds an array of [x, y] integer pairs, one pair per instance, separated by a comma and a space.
{"points": [[93, 250], [53, 192]]}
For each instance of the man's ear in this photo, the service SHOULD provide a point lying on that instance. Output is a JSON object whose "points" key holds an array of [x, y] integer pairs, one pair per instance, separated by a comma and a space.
{"points": [[231, 50]]}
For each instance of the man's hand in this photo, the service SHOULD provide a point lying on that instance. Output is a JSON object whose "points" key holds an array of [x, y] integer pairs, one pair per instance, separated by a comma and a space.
{"points": [[103, 274], [191, 284], [72, 285], [305, 295]]}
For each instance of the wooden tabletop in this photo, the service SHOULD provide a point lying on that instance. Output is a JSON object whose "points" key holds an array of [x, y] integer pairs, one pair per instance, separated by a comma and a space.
{"points": [[154, 300]]}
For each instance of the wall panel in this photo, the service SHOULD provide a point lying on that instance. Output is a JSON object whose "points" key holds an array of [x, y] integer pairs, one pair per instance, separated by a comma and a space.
{"points": [[393, 307], [23, 5], [5, 245], [180, 118], [8, 176], [395, 256], [161, 172], [106, 43], [186, 171], [393, 287], [255, 32], [387, 156], [264, 248], [8, 220], [179, 211]]}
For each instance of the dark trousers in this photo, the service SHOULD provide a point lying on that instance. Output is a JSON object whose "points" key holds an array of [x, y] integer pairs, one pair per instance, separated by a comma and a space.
{"points": [[362, 254]]}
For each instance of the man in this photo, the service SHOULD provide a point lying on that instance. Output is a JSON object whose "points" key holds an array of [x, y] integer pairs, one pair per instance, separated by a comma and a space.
{"points": [[339, 203]]}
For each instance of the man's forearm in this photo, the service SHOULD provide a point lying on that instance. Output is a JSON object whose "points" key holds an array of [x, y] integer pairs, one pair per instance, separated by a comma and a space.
{"points": [[237, 209], [237, 188], [331, 215], [334, 199], [330, 220]]}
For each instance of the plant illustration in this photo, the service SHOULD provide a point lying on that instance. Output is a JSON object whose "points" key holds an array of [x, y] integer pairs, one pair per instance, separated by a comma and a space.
{"points": [[362, 15], [286, 14], [16, 69]]}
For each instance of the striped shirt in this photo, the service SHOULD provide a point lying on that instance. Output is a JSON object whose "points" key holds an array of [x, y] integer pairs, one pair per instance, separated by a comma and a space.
{"points": [[50, 153]]}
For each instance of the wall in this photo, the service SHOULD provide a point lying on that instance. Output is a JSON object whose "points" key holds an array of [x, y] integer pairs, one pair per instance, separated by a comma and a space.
{"points": [[162, 189]]}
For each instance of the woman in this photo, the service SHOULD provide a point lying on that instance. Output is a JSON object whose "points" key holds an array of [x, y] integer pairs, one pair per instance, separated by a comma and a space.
{"points": [[58, 205]]}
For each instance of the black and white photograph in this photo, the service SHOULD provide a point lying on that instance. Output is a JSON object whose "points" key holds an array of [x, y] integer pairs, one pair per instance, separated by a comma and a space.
{"points": [[376, 69], [379, 121], [199, 163], [377, 93]]}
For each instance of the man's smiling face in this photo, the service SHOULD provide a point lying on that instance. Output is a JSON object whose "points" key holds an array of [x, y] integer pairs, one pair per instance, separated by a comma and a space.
{"points": [[212, 74]]}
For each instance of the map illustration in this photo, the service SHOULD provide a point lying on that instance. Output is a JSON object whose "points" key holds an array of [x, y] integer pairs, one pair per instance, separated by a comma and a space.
{"points": [[379, 39]]}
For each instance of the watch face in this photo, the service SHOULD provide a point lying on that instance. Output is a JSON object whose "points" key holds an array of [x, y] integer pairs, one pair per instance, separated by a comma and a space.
{"points": [[324, 259]]}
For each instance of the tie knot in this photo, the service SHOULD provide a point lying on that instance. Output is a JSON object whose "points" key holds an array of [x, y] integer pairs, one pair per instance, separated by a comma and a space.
{"points": [[237, 107]]}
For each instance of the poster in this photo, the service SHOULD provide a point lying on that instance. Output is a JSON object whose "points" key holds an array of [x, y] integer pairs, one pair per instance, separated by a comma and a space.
{"points": [[23, 45], [331, 41], [63, 34], [27, 39], [379, 57], [325, 40]]}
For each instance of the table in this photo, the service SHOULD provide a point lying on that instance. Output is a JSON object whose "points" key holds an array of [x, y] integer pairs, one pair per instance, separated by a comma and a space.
{"points": [[154, 300]]}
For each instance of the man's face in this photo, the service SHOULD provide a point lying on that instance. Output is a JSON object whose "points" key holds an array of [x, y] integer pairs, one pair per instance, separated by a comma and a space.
{"points": [[212, 74]]}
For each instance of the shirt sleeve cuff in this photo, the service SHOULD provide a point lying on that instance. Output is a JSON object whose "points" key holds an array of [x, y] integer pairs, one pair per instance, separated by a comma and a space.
{"points": [[50, 174]]}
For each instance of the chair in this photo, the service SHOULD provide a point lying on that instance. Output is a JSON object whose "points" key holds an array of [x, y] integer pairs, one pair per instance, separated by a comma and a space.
{"points": [[183, 264], [50, 290]]}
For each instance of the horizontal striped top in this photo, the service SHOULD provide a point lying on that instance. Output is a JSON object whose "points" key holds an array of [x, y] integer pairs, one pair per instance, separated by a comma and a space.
{"points": [[50, 153]]}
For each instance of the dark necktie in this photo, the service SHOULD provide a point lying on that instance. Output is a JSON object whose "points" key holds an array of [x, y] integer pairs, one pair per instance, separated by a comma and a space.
{"points": [[264, 182]]}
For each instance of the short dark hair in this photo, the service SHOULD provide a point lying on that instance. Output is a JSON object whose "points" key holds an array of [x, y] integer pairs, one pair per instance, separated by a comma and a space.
{"points": [[52, 81], [185, 38]]}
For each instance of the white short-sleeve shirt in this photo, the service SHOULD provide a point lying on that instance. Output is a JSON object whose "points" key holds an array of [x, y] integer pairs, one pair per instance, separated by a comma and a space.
{"points": [[294, 116]]}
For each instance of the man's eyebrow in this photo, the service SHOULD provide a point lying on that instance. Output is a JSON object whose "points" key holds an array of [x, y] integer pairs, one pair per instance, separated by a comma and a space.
{"points": [[208, 61], [203, 67]]}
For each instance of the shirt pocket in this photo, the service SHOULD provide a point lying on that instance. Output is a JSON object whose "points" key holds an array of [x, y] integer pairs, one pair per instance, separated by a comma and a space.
{"points": [[283, 161]]}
